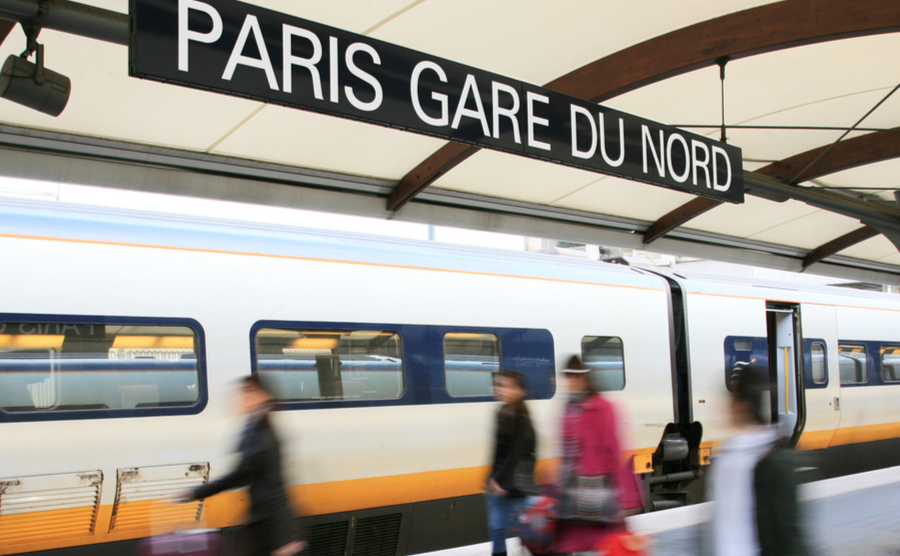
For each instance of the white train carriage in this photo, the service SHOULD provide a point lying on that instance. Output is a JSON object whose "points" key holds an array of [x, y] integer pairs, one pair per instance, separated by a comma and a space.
{"points": [[122, 335], [829, 353]]}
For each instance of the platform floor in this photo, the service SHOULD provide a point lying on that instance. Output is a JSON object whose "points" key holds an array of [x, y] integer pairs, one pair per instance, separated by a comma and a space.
{"points": [[857, 515]]}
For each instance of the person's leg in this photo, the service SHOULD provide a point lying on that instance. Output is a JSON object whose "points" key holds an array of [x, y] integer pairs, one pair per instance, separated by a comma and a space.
{"points": [[498, 520], [259, 537], [514, 509]]}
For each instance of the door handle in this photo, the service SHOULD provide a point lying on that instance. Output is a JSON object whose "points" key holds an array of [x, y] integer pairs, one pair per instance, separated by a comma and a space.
{"points": [[837, 403]]}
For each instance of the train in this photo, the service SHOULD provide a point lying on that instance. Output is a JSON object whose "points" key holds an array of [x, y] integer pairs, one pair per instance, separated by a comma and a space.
{"points": [[122, 334]]}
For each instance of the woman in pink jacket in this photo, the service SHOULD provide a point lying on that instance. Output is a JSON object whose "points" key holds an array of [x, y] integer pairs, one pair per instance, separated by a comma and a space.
{"points": [[598, 490]]}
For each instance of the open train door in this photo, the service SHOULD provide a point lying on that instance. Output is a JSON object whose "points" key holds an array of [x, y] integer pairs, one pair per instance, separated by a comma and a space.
{"points": [[786, 368]]}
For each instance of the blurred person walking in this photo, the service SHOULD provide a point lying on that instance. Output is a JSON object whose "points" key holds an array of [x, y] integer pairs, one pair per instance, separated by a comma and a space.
{"points": [[270, 526], [753, 482], [512, 471], [597, 489]]}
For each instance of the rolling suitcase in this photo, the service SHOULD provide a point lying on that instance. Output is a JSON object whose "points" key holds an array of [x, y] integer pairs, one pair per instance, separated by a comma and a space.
{"points": [[197, 542]]}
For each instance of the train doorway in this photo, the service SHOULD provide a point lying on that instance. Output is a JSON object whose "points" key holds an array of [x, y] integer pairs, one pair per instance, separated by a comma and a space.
{"points": [[785, 368]]}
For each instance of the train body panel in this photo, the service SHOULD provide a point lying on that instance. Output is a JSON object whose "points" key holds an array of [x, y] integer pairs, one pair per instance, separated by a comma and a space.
{"points": [[835, 412], [392, 452], [823, 414], [417, 437]]}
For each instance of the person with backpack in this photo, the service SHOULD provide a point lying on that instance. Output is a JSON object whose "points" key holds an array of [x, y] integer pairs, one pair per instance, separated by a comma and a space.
{"points": [[270, 526], [597, 488], [512, 469], [753, 482]]}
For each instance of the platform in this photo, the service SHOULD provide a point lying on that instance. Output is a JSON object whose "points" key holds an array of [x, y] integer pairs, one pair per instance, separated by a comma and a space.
{"points": [[856, 514]]}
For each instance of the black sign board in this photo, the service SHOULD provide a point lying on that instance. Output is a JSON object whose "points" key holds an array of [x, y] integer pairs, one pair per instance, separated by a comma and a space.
{"points": [[245, 50]]}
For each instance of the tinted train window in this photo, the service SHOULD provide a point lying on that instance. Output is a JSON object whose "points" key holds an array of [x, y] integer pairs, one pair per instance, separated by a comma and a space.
{"points": [[890, 363], [605, 356], [470, 361], [854, 365], [819, 364], [77, 366], [330, 365]]}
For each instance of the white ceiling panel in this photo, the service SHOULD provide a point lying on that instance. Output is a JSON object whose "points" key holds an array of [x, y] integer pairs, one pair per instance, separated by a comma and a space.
{"points": [[760, 85], [827, 84], [616, 196], [753, 217], [540, 41], [350, 15], [105, 102], [777, 144], [306, 139], [689, 99], [509, 176], [809, 231], [891, 259], [873, 249], [882, 175]]}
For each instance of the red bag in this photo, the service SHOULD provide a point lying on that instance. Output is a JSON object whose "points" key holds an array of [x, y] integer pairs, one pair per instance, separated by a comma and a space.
{"points": [[624, 544], [197, 542]]}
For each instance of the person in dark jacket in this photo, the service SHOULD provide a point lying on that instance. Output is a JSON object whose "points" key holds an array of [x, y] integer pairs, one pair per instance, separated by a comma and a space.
{"points": [[512, 471], [270, 524], [753, 482]]}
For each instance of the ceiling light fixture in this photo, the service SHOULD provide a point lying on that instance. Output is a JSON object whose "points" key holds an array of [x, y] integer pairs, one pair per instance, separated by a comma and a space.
{"points": [[33, 85]]}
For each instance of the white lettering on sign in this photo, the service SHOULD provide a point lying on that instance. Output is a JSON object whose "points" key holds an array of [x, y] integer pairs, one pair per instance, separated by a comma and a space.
{"points": [[251, 25], [471, 88], [511, 113], [375, 103], [441, 98], [288, 32], [574, 112], [185, 35], [530, 99], [364, 76], [719, 152], [606, 157], [697, 159], [680, 178], [697, 163], [658, 155], [334, 87]]}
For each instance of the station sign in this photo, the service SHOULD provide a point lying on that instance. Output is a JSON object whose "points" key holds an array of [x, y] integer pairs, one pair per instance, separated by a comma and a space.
{"points": [[245, 50]]}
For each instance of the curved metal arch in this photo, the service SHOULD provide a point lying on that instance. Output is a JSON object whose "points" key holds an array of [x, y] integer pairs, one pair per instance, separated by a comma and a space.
{"points": [[5, 28], [850, 153], [775, 26], [838, 244]]}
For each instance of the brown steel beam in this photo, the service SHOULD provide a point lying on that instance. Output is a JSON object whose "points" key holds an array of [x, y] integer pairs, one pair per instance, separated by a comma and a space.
{"points": [[838, 245], [849, 153], [5, 28], [679, 216], [758, 30], [865, 149], [445, 159]]}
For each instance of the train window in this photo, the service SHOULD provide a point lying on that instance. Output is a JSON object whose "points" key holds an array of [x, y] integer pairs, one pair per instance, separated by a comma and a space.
{"points": [[854, 365], [890, 363], [605, 356], [81, 366], [819, 364], [470, 361], [329, 364], [743, 345]]}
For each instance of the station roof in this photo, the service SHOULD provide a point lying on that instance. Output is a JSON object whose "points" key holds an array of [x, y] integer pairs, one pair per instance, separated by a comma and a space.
{"points": [[799, 75]]}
